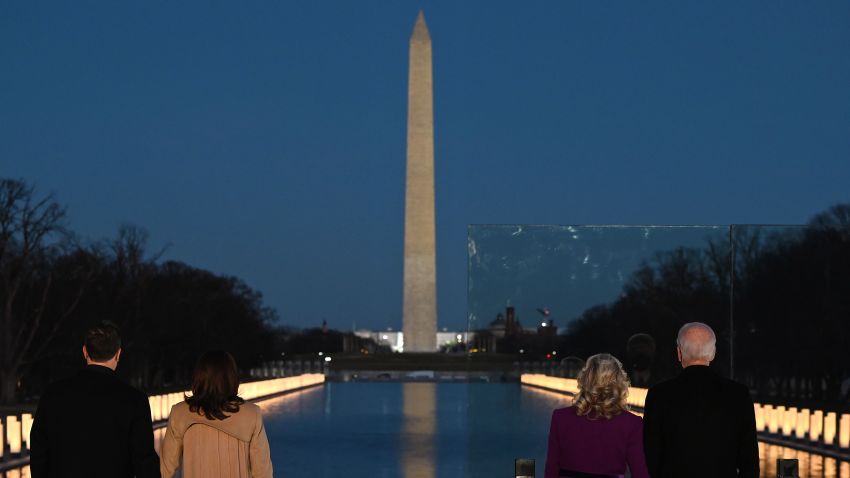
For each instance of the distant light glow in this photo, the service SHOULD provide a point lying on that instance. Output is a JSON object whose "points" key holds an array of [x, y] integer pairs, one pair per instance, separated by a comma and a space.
{"points": [[327, 359], [321, 353], [543, 324], [385, 336], [459, 337], [637, 396]]}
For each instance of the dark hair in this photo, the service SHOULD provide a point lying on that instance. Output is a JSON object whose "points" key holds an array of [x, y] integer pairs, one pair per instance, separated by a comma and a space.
{"points": [[102, 341], [215, 386]]}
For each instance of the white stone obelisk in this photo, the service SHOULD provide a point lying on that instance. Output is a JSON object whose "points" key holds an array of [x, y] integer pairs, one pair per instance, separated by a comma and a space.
{"points": [[420, 252]]}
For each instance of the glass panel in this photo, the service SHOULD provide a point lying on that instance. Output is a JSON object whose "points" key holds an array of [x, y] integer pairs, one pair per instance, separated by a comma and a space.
{"points": [[554, 295], [791, 311], [547, 297]]}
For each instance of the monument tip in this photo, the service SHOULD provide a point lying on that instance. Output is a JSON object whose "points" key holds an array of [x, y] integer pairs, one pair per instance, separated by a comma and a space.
{"points": [[420, 30]]}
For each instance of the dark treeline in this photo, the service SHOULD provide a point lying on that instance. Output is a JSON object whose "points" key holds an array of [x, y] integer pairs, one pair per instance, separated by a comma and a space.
{"points": [[53, 287], [778, 298], [307, 343]]}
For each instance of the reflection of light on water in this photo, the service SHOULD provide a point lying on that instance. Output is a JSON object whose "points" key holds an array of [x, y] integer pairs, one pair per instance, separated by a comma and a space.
{"points": [[290, 402], [419, 429], [560, 400], [811, 465], [18, 473]]}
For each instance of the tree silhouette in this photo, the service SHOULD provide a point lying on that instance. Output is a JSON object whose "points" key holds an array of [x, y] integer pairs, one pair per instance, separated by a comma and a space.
{"points": [[32, 237], [52, 289]]}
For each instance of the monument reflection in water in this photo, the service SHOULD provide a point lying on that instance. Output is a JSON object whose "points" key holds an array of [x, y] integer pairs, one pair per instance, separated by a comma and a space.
{"points": [[420, 415]]}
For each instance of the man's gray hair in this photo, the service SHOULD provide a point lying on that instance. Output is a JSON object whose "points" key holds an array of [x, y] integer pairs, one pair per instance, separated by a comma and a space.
{"points": [[702, 347]]}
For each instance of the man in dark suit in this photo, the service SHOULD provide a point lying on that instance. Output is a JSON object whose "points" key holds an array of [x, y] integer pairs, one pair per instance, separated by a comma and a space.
{"points": [[700, 424], [94, 424]]}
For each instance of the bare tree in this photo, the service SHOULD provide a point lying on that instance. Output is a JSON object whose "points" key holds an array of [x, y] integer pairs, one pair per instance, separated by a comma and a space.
{"points": [[31, 229]]}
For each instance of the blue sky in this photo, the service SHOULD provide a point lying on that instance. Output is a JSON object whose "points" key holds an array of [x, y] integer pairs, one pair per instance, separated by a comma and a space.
{"points": [[266, 139]]}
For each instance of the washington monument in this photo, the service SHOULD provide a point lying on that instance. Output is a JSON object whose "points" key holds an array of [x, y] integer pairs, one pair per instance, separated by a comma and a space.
{"points": [[420, 267]]}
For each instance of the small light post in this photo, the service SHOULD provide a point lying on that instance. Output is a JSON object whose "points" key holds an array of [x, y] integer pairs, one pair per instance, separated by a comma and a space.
{"points": [[524, 468], [787, 468]]}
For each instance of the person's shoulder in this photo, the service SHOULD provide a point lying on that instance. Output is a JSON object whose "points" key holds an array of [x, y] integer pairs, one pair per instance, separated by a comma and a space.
{"points": [[181, 408], [628, 419], [731, 384], [251, 409], [125, 395], [59, 386], [734, 388], [181, 415], [631, 417], [564, 413], [105, 379], [55, 392], [128, 391], [64, 389], [664, 387], [248, 419]]}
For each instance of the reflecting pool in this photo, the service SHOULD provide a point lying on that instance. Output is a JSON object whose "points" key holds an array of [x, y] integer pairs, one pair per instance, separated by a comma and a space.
{"points": [[428, 430], [412, 430]]}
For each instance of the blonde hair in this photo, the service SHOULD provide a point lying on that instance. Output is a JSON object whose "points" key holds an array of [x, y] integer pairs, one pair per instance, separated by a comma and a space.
{"points": [[603, 388]]}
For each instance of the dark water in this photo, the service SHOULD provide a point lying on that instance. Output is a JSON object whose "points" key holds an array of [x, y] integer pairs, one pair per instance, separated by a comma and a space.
{"points": [[408, 430], [426, 430]]}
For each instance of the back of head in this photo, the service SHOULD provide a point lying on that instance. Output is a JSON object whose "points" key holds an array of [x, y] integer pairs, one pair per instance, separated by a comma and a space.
{"points": [[697, 344], [215, 386], [102, 341], [603, 388]]}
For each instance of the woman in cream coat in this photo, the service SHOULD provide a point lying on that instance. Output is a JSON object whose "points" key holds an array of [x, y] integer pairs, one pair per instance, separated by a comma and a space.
{"points": [[216, 433]]}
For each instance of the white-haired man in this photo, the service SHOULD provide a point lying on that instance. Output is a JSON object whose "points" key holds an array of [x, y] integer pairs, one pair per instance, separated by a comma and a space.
{"points": [[699, 424]]}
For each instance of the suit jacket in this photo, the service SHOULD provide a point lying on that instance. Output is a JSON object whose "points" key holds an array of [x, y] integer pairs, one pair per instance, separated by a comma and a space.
{"points": [[700, 425], [599, 446], [93, 425]]}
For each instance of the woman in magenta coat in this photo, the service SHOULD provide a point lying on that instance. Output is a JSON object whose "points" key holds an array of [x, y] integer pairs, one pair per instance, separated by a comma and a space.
{"points": [[597, 437]]}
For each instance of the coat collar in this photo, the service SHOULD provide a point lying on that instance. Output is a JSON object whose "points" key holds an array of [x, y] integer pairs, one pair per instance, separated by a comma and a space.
{"points": [[697, 371], [99, 369]]}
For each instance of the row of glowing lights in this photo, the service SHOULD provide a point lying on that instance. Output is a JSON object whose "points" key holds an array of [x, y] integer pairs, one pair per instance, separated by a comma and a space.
{"points": [[789, 422], [804, 423], [16, 430]]}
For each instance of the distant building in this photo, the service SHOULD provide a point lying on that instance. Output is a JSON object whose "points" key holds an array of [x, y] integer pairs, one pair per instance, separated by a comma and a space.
{"points": [[497, 327], [451, 339], [395, 339], [512, 325], [547, 328], [392, 338]]}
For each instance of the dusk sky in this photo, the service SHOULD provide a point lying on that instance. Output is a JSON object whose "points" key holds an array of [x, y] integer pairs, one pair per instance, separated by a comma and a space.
{"points": [[266, 140]]}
